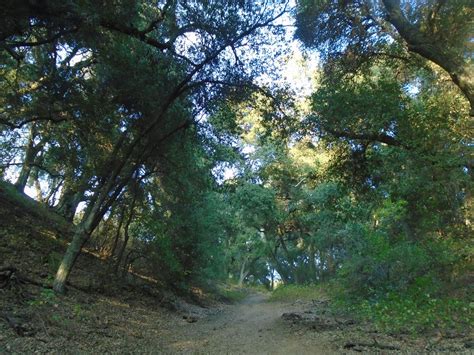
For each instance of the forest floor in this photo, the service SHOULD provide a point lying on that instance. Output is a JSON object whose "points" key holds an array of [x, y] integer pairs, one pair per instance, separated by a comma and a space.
{"points": [[259, 326], [133, 323], [137, 315], [254, 326]]}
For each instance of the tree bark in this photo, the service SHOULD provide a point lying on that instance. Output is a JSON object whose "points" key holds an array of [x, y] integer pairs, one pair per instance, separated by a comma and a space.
{"points": [[126, 233], [39, 193], [124, 246], [82, 234], [30, 155], [293, 269], [72, 194], [281, 271], [312, 262], [243, 273], [91, 219], [117, 233], [272, 277]]}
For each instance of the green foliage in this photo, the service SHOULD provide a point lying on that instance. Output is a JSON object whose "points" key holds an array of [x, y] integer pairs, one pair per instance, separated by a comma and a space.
{"points": [[232, 293], [371, 189], [414, 311], [77, 127], [258, 204], [78, 312], [46, 297], [299, 292]]}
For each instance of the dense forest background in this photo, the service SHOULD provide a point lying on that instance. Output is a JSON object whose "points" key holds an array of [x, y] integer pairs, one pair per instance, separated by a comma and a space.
{"points": [[170, 134]]}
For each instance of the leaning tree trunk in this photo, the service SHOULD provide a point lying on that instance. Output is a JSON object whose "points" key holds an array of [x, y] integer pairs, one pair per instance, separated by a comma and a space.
{"points": [[126, 234], [20, 183], [82, 234], [281, 271], [117, 232], [28, 161], [122, 250], [39, 193], [99, 205], [108, 194], [460, 70], [91, 219], [72, 195], [31, 153]]}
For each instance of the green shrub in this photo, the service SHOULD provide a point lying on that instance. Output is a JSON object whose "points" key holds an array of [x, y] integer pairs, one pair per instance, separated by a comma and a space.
{"points": [[414, 311], [232, 293], [300, 292], [46, 297]]}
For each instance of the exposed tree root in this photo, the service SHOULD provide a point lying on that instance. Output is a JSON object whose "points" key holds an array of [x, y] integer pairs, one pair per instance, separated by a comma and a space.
{"points": [[355, 345], [10, 274], [17, 325]]}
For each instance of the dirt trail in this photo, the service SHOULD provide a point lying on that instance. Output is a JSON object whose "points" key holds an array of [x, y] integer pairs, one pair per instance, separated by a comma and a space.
{"points": [[251, 327]]}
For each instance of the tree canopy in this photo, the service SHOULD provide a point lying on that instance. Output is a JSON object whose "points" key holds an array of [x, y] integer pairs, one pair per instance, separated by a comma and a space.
{"points": [[166, 132]]}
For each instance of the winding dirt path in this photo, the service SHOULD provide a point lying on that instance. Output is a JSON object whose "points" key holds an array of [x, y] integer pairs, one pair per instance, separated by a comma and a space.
{"points": [[251, 327]]}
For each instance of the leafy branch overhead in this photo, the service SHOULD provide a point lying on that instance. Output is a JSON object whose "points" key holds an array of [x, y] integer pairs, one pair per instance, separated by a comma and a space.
{"points": [[439, 31], [248, 142]]}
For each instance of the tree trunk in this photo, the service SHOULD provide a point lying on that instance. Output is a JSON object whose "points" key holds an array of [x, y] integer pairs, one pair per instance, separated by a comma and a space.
{"points": [[331, 264], [71, 196], [104, 250], [82, 234], [117, 234], [30, 155], [122, 249], [460, 71], [127, 263], [243, 273], [39, 193], [283, 274], [110, 189], [126, 234], [91, 219], [272, 277], [293, 269], [312, 262]]}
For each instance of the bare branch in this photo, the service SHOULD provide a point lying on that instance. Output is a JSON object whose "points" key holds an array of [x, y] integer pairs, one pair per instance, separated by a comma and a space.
{"points": [[136, 33], [370, 137], [55, 37]]}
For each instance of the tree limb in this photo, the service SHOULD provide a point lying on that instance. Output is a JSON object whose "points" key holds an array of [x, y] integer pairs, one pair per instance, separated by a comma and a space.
{"points": [[461, 72], [371, 137]]}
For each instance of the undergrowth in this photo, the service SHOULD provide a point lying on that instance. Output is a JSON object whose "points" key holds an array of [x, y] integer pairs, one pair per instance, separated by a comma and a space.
{"points": [[301, 292], [401, 314], [395, 312], [231, 293], [414, 310]]}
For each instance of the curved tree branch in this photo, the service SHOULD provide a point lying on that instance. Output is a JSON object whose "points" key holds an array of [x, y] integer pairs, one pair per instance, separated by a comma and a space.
{"points": [[460, 71], [370, 137]]}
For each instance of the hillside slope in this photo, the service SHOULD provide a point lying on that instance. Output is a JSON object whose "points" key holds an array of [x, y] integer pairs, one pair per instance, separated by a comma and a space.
{"points": [[97, 312]]}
